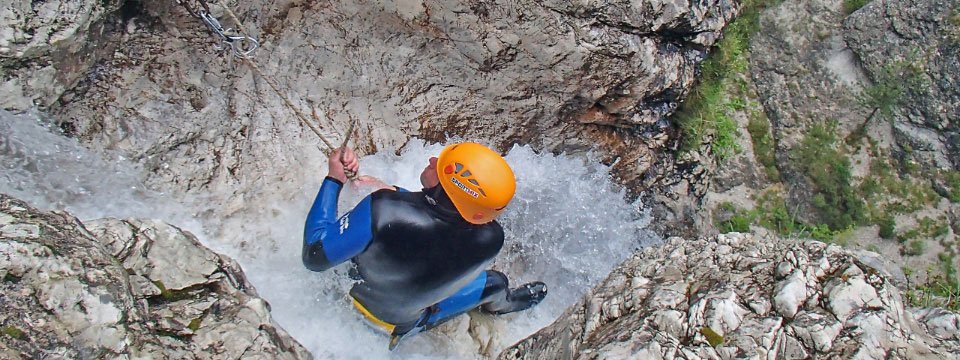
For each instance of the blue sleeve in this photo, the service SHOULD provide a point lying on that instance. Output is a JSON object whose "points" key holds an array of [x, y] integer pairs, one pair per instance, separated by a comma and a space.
{"points": [[328, 241], [400, 189]]}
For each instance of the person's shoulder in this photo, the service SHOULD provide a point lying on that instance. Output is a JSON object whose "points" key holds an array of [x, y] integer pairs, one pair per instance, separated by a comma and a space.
{"points": [[492, 234], [392, 195], [495, 228]]}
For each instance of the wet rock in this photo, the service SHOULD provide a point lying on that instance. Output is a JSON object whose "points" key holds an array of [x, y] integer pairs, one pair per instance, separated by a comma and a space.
{"points": [[826, 304], [120, 288], [560, 76], [47, 47]]}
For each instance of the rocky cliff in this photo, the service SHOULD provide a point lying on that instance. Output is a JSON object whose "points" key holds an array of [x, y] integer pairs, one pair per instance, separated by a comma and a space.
{"points": [[747, 296], [839, 136], [144, 78], [124, 289], [847, 132]]}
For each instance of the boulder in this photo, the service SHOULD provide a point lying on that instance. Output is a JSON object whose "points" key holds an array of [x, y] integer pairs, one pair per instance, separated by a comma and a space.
{"points": [[742, 296], [125, 289]]}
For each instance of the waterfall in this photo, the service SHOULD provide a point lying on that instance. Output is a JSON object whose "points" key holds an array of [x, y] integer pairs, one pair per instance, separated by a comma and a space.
{"points": [[568, 225]]}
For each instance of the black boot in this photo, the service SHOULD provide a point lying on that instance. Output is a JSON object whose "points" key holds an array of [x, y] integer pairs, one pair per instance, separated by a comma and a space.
{"points": [[521, 298], [529, 293]]}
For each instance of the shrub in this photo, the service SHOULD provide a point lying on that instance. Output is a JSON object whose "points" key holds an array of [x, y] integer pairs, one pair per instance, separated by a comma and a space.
{"points": [[892, 82], [941, 289], [763, 147], [705, 111], [887, 226], [738, 223], [914, 248], [953, 181], [839, 206], [850, 6]]}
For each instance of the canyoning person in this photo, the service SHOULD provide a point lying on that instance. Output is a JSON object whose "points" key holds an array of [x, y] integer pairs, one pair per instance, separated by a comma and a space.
{"points": [[421, 257]]}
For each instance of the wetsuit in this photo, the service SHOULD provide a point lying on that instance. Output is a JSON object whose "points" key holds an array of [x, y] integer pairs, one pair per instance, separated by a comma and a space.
{"points": [[420, 263]]}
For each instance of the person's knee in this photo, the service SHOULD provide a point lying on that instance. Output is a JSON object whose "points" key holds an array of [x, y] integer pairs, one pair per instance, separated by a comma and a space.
{"points": [[497, 283]]}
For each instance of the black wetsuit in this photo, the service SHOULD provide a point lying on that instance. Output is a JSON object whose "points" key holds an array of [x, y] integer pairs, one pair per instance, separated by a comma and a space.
{"points": [[420, 262]]}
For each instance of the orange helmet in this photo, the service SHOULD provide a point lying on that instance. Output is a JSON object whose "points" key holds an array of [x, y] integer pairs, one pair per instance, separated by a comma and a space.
{"points": [[478, 181]]}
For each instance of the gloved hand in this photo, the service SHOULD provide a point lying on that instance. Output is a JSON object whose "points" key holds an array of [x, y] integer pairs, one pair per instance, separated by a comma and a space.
{"points": [[338, 168]]}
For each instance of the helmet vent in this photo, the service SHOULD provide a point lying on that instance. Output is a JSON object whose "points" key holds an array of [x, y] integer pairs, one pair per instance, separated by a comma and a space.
{"points": [[466, 174], [482, 192], [459, 167], [472, 181]]}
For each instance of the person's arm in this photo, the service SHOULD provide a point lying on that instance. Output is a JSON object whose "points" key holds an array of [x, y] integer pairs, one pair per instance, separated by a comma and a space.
{"points": [[370, 181], [327, 241]]}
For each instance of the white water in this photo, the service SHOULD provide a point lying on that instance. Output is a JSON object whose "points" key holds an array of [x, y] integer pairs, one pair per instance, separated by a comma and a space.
{"points": [[568, 226]]}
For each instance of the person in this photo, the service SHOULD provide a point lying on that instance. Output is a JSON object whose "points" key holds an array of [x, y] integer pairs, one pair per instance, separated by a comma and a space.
{"points": [[421, 258]]}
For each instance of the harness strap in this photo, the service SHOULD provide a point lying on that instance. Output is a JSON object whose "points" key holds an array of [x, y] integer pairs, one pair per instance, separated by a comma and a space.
{"points": [[388, 327]]}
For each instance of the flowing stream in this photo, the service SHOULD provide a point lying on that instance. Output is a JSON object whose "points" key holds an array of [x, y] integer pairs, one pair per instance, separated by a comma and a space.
{"points": [[568, 225]]}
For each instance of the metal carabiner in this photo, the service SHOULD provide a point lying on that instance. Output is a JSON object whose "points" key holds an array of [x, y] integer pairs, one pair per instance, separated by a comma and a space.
{"points": [[241, 45]]}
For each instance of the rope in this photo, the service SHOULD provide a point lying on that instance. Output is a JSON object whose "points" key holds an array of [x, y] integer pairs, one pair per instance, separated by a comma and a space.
{"points": [[256, 69], [303, 119]]}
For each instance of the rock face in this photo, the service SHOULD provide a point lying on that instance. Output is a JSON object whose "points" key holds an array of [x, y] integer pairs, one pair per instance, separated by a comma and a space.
{"points": [[926, 34], [813, 64], [745, 296], [125, 289], [593, 75], [46, 47]]}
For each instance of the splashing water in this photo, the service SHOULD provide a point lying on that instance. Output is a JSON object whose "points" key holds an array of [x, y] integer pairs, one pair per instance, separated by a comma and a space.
{"points": [[568, 226]]}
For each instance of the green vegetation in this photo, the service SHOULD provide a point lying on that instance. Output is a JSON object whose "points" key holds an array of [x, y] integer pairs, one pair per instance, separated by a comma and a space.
{"points": [[850, 6], [705, 115], [953, 182], [195, 324], [11, 278], [895, 80], [941, 289], [887, 226], [713, 338], [886, 193], [771, 213], [914, 248], [13, 332], [828, 169], [763, 147], [927, 228], [173, 295], [953, 29]]}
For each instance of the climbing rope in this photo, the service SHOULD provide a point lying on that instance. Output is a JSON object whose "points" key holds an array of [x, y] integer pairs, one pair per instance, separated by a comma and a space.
{"points": [[243, 47]]}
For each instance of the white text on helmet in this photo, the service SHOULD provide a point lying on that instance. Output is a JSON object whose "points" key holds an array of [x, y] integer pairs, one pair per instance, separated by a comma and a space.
{"points": [[464, 187]]}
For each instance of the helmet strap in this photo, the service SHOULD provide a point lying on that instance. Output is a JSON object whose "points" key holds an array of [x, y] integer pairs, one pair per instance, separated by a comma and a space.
{"points": [[437, 197]]}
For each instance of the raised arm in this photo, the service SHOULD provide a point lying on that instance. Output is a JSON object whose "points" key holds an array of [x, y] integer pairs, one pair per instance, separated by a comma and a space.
{"points": [[328, 241]]}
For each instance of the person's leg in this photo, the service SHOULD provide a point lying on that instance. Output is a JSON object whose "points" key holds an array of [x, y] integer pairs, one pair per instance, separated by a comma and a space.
{"points": [[489, 291], [498, 298]]}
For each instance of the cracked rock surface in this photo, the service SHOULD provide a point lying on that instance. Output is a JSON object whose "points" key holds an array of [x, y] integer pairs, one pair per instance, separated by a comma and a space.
{"points": [[747, 297], [125, 289], [559, 76]]}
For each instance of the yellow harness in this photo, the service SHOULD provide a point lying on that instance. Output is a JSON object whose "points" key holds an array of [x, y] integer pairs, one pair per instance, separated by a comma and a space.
{"points": [[388, 327]]}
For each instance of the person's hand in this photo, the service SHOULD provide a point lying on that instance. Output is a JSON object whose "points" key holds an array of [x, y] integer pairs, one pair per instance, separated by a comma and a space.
{"points": [[370, 181], [338, 168]]}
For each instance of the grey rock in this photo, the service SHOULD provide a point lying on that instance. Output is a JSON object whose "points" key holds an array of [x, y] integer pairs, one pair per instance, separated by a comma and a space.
{"points": [[922, 33], [560, 76], [839, 307], [942, 324], [47, 47], [811, 64], [125, 289]]}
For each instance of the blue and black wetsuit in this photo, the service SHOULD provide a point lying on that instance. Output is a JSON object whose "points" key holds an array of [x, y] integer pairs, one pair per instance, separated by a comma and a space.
{"points": [[420, 263]]}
